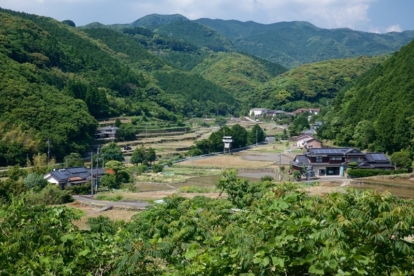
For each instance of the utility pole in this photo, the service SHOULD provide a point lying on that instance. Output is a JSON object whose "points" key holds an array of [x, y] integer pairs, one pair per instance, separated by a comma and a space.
{"points": [[48, 151], [256, 137], [91, 173], [97, 167], [280, 167]]}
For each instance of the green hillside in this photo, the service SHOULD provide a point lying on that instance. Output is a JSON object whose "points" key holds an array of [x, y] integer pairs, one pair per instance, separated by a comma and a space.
{"points": [[293, 43], [152, 21], [238, 73], [56, 80], [313, 84], [377, 113]]}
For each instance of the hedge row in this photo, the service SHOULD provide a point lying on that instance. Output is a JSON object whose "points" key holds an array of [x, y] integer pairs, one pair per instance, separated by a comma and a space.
{"points": [[372, 172]]}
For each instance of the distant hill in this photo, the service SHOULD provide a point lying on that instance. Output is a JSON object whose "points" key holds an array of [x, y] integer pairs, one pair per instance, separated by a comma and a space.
{"points": [[241, 74], [312, 85], [289, 44], [154, 20], [293, 43], [377, 113]]}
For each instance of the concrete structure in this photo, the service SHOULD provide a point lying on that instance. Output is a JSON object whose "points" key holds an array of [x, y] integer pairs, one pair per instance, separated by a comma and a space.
{"points": [[106, 132], [227, 140]]}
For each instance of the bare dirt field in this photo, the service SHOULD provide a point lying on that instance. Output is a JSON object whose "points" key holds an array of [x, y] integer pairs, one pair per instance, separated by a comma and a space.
{"points": [[91, 212], [226, 162]]}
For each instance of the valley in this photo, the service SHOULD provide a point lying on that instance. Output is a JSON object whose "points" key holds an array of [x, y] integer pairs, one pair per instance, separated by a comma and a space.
{"points": [[112, 140]]}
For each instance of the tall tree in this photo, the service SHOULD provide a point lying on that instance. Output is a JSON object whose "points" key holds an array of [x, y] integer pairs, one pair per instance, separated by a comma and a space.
{"points": [[112, 151]]}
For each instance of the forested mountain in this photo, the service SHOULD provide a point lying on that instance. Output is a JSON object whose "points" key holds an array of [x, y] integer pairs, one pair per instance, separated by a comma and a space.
{"points": [[239, 73], [293, 43], [377, 113], [155, 20], [177, 27], [311, 85], [289, 44], [56, 79]]}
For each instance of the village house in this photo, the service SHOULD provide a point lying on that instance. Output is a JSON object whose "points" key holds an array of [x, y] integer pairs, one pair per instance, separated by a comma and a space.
{"points": [[73, 176], [312, 143], [302, 139], [106, 132], [313, 111], [335, 161], [257, 112]]}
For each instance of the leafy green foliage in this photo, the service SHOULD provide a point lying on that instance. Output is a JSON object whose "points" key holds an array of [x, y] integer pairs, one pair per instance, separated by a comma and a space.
{"points": [[276, 230], [74, 159], [241, 138], [197, 95], [120, 171], [256, 135], [143, 155], [156, 168], [238, 73], [34, 181], [112, 151], [377, 111], [50, 195], [299, 124], [314, 84], [402, 160]]}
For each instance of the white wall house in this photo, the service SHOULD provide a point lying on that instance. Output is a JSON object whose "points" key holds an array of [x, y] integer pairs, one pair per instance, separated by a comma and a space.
{"points": [[256, 112], [301, 140]]}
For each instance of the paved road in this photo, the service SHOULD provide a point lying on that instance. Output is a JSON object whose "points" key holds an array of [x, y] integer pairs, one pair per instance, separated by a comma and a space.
{"points": [[139, 205]]}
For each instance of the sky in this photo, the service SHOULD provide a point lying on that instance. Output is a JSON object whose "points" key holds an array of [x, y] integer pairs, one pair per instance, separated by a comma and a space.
{"points": [[379, 16]]}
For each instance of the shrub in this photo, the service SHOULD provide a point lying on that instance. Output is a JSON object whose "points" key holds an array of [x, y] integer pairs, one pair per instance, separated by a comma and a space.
{"points": [[156, 168], [50, 195], [141, 169], [34, 181], [367, 172], [266, 178], [83, 189]]}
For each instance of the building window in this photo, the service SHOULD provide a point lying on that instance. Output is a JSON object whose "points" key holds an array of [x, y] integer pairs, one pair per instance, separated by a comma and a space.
{"points": [[354, 159], [335, 158], [319, 159]]}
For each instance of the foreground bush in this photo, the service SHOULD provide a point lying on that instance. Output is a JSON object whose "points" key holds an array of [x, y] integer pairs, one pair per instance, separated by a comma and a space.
{"points": [[262, 229], [50, 195]]}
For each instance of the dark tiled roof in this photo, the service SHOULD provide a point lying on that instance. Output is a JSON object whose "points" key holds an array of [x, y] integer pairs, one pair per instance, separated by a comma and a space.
{"points": [[376, 157], [65, 175]]}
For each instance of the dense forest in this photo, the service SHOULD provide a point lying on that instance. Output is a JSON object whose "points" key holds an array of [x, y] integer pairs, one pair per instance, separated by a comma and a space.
{"points": [[259, 229], [289, 44], [377, 112], [312, 85], [56, 80], [293, 43]]}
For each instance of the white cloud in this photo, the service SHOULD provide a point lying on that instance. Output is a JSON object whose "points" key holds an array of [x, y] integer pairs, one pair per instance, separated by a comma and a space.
{"points": [[393, 28]]}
